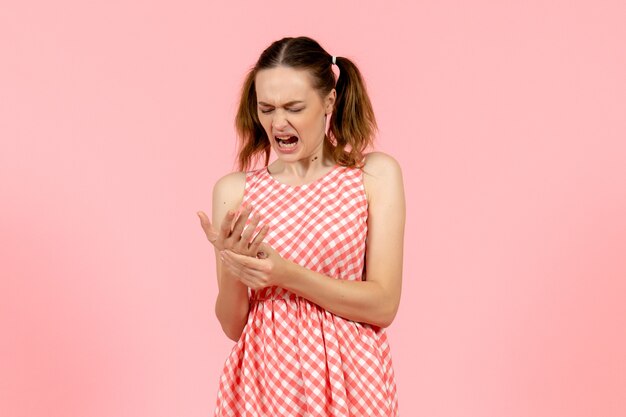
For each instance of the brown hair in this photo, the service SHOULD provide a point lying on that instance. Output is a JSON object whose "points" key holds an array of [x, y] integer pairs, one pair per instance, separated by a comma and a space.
{"points": [[352, 123]]}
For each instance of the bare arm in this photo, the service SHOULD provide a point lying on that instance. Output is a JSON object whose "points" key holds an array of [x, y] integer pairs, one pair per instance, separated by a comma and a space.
{"points": [[232, 304], [374, 300]]}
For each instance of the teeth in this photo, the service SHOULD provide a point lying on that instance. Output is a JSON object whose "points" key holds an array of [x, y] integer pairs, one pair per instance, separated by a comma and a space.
{"points": [[282, 141]]}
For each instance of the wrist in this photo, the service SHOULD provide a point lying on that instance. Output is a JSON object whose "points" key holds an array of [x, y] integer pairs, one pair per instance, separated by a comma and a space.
{"points": [[286, 273], [231, 282]]}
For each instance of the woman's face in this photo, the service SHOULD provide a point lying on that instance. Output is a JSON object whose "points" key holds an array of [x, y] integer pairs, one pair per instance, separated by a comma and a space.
{"points": [[289, 108]]}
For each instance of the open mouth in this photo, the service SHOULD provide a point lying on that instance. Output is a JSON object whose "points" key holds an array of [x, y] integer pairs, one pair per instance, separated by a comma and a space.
{"points": [[287, 141]]}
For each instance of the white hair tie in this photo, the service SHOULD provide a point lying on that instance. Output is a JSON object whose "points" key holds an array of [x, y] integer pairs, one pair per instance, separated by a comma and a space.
{"points": [[334, 60]]}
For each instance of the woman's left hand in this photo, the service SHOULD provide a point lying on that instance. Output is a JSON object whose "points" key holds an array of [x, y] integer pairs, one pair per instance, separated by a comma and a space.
{"points": [[266, 270]]}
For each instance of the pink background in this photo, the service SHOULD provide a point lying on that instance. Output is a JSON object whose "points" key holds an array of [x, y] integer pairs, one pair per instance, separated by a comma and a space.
{"points": [[508, 118]]}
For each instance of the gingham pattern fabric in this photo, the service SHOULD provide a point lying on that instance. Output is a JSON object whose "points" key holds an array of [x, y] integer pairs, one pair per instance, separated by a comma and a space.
{"points": [[295, 358]]}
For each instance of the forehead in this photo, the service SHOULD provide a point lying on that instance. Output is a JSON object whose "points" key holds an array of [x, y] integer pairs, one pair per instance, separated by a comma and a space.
{"points": [[281, 84]]}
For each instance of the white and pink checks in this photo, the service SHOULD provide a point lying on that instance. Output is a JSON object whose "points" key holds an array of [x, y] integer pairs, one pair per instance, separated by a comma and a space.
{"points": [[295, 358]]}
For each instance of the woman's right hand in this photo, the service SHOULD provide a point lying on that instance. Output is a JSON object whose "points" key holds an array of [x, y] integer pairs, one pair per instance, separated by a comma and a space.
{"points": [[236, 239]]}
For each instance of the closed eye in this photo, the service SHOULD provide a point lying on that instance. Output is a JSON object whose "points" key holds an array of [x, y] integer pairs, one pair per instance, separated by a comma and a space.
{"points": [[291, 110]]}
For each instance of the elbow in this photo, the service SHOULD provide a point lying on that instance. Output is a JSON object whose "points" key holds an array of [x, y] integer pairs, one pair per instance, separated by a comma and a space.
{"points": [[384, 321], [386, 314], [384, 307], [233, 335], [232, 328], [389, 320]]}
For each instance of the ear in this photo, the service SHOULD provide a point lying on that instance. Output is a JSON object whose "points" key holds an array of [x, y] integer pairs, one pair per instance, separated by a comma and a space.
{"points": [[330, 101]]}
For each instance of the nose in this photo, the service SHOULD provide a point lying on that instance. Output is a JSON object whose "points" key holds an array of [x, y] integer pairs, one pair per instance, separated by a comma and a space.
{"points": [[279, 121]]}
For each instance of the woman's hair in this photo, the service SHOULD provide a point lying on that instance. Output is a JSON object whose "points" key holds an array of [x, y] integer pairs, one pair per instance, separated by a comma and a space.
{"points": [[352, 123]]}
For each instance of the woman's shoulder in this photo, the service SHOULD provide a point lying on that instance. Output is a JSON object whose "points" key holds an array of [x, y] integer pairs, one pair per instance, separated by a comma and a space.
{"points": [[380, 164], [232, 179], [230, 187], [380, 171]]}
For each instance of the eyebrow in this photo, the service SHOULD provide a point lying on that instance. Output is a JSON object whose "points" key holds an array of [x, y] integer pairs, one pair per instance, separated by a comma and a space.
{"points": [[286, 104]]}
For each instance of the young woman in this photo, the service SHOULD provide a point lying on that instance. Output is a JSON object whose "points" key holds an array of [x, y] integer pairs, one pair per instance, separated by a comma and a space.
{"points": [[308, 248]]}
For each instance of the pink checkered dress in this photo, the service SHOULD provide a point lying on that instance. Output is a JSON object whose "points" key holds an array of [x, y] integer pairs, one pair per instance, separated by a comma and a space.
{"points": [[294, 358]]}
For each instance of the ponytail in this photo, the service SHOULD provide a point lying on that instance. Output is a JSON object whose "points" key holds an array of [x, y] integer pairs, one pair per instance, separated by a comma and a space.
{"points": [[352, 122]]}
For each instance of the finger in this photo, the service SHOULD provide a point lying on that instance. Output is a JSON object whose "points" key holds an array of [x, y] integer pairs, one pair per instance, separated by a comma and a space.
{"points": [[243, 244], [234, 258], [253, 279], [231, 265], [258, 239], [241, 222], [248, 282], [210, 233], [251, 274], [245, 261], [244, 272], [204, 219], [227, 223]]}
